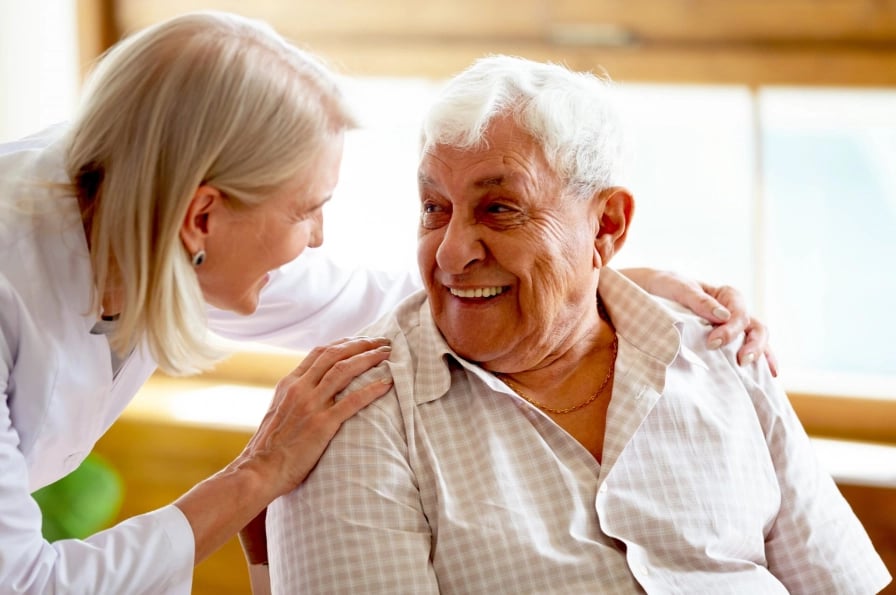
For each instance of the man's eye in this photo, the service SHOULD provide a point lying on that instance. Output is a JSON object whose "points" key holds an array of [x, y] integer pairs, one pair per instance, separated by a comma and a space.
{"points": [[433, 215], [499, 208]]}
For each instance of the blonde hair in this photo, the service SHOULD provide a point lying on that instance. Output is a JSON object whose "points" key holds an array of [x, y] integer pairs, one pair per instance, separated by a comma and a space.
{"points": [[204, 98]]}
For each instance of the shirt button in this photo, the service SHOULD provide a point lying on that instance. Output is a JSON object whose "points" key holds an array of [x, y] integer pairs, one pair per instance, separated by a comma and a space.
{"points": [[643, 570], [603, 488]]}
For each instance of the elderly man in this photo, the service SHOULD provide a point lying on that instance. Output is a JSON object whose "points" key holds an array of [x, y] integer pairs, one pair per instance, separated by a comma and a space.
{"points": [[552, 428]]}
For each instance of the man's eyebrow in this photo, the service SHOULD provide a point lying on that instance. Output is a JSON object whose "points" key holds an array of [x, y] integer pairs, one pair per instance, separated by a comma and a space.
{"points": [[490, 181]]}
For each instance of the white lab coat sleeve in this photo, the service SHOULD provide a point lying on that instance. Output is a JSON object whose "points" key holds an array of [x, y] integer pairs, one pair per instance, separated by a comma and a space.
{"points": [[312, 301], [152, 553]]}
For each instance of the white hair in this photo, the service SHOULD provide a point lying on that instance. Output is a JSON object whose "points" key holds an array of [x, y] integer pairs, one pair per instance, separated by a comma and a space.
{"points": [[572, 115]]}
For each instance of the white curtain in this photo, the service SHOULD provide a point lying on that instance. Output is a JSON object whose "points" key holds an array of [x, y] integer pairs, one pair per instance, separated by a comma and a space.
{"points": [[38, 64]]}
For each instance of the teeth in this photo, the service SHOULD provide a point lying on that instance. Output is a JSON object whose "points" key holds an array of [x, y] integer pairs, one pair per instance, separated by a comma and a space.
{"points": [[479, 292]]}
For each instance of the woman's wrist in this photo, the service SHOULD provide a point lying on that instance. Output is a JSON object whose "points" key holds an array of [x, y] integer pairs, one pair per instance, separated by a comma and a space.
{"points": [[222, 505]]}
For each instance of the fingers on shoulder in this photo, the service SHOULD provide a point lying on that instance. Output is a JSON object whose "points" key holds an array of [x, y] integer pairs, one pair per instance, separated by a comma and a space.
{"points": [[362, 393], [344, 357]]}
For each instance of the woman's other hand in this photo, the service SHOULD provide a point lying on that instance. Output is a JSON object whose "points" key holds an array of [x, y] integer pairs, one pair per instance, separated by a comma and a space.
{"points": [[722, 305]]}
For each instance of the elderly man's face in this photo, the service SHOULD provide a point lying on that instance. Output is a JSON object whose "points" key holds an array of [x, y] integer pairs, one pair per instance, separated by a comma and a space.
{"points": [[507, 259]]}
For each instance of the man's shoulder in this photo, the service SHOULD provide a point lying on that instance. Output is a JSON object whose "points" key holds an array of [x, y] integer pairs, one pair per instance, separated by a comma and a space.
{"points": [[663, 328], [409, 328], [402, 320]]}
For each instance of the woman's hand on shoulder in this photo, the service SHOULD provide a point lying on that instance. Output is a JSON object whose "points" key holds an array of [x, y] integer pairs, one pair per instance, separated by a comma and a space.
{"points": [[303, 416], [722, 305]]}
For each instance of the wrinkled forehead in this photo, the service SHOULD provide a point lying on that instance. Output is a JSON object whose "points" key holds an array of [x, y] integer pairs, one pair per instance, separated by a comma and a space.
{"points": [[503, 151]]}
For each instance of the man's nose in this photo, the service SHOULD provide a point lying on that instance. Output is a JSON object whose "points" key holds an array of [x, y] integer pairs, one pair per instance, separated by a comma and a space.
{"points": [[461, 246]]}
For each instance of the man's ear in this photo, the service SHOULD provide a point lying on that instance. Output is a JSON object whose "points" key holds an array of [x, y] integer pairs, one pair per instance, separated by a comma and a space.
{"points": [[615, 216], [195, 227]]}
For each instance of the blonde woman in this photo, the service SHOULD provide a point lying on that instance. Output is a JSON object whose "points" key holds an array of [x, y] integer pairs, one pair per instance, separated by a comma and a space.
{"points": [[175, 206]]}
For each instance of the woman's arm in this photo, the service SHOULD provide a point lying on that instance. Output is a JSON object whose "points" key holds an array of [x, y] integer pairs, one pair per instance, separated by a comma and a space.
{"points": [[312, 301]]}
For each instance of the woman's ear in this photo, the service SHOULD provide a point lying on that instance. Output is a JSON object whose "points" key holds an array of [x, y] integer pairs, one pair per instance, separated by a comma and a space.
{"points": [[615, 216], [195, 228]]}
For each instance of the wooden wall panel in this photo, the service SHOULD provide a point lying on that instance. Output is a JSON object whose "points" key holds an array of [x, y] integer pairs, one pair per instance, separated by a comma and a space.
{"points": [[676, 64], [96, 31], [752, 42], [646, 20], [735, 20], [351, 18], [847, 418], [875, 508]]}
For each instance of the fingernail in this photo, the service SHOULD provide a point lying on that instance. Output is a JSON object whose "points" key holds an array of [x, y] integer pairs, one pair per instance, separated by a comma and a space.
{"points": [[720, 312], [384, 348], [386, 381], [715, 343], [749, 357]]}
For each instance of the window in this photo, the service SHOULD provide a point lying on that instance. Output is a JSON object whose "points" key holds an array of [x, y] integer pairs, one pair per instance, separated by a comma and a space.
{"points": [[38, 65], [829, 191], [787, 194]]}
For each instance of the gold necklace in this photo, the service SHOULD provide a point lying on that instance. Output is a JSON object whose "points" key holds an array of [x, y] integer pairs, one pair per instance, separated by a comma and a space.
{"points": [[582, 405]]}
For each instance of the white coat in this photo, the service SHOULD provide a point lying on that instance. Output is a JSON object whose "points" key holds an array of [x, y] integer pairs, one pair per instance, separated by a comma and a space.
{"points": [[59, 395]]}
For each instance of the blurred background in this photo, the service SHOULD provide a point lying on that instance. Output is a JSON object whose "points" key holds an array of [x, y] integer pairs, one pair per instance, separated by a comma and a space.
{"points": [[764, 157]]}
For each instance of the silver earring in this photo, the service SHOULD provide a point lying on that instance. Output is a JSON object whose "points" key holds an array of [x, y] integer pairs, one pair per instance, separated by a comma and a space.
{"points": [[198, 257]]}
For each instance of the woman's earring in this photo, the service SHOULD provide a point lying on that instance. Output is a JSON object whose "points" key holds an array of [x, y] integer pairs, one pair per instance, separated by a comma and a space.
{"points": [[198, 257]]}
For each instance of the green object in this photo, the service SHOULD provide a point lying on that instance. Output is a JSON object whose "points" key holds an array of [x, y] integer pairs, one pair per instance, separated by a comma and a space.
{"points": [[81, 503]]}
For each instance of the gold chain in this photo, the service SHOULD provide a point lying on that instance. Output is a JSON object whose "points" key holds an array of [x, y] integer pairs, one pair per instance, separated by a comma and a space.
{"points": [[582, 405]]}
